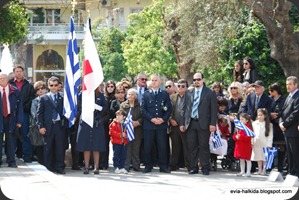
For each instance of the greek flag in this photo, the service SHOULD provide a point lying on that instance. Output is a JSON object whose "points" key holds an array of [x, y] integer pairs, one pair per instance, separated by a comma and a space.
{"points": [[129, 126], [216, 140], [239, 125], [72, 77], [270, 154]]}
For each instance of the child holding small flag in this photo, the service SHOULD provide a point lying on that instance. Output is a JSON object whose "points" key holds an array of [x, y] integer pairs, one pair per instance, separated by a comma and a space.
{"points": [[119, 141], [263, 138], [243, 146]]}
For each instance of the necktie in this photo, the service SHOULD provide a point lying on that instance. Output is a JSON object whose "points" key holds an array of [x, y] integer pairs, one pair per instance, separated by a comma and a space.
{"points": [[195, 105], [55, 114], [288, 99], [257, 100], [4, 104], [139, 95]]}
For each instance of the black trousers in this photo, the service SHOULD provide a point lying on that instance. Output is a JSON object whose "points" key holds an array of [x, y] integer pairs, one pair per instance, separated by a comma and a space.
{"points": [[292, 144], [158, 137], [199, 149]]}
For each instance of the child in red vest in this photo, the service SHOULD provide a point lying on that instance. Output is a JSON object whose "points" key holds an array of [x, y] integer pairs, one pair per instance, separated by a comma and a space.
{"points": [[119, 141]]}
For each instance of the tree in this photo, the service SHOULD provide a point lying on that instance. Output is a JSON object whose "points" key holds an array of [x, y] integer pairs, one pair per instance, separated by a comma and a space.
{"points": [[111, 54], [144, 48], [283, 38], [13, 17]]}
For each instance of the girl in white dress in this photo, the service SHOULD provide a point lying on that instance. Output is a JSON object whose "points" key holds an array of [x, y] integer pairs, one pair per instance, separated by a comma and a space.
{"points": [[263, 138]]}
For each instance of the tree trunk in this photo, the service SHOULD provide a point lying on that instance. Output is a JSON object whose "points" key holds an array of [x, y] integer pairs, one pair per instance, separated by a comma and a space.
{"points": [[282, 38], [20, 54]]}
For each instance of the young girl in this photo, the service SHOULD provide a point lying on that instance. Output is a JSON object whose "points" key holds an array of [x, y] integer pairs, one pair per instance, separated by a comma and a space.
{"points": [[119, 141], [263, 138], [243, 146]]}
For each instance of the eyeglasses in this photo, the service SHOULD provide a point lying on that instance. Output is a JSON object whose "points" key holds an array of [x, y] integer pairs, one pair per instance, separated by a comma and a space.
{"points": [[126, 87], [271, 90], [233, 88], [245, 63], [110, 86], [168, 86], [54, 85], [197, 79], [143, 79], [181, 86], [120, 92], [41, 88]]}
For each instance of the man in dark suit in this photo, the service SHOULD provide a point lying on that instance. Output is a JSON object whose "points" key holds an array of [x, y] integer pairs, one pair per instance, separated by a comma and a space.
{"points": [[51, 124], [288, 123], [178, 139], [141, 85], [155, 109], [257, 100], [200, 121], [11, 112]]}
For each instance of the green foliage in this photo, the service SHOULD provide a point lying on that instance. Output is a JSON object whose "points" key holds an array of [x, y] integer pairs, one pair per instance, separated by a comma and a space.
{"points": [[110, 52], [144, 49], [246, 39], [294, 17], [13, 21]]}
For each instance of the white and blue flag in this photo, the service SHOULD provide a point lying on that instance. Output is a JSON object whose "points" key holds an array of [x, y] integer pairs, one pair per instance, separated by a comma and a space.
{"points": [[270, 154], [129, 126], [72, 77], [239, 125], [216, 140]]}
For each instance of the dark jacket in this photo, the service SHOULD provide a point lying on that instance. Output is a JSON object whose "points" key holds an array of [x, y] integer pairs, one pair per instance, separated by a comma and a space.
{"points": [[16, 109], [27, 94]]}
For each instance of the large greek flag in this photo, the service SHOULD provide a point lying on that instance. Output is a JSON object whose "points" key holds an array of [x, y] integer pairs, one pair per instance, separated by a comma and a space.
{"points": [[239, 125], [270, 154], [72, 77], [129, 126]]}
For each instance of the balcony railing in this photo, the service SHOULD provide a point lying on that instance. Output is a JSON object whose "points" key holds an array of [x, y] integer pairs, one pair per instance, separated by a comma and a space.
{"points": [[43, 28]]}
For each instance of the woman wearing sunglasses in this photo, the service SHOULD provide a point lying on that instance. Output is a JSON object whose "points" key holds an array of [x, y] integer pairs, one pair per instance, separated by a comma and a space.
{"points": [[250, 74]]}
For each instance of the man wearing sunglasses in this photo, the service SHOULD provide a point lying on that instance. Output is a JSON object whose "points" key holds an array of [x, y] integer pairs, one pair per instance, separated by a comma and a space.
{"points": [[178, 139], [51, 124], [170, 87], [200, 121]]}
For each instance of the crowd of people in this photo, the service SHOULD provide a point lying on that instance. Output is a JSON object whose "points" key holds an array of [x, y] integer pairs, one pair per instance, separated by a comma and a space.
{"points": [[172, 124]]}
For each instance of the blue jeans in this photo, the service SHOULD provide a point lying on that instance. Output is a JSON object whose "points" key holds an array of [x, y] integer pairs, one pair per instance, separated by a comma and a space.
{"points": [[119, 155]]}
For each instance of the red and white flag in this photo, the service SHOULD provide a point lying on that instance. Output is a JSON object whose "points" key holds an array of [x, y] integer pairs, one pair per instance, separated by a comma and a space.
{"points": [[92, 77]]}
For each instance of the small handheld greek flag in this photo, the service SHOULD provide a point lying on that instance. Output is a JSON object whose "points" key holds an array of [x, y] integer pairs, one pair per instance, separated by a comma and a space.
{"points": [[129, 126], [270, 154], [239, 125], [216, 140]]}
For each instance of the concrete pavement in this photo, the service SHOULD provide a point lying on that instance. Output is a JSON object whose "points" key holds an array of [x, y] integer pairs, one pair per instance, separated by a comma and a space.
{"points": [[33, 181]]}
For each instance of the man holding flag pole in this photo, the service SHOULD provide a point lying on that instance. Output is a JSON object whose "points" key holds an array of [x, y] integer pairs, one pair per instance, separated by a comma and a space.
{"points": [[71, 90], [91, 105]]}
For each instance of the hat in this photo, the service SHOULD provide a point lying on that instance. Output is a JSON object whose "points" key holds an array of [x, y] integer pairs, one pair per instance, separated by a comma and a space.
{"points": [[258, 83]]}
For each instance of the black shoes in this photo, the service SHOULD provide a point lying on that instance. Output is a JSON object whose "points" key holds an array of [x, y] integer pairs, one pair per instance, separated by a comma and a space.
{"points": [[60, 171], [193, 172], [205, 173], [86, 170], [136, 169], [12, 165], [27, 160], [96, 171], [165, 171]]}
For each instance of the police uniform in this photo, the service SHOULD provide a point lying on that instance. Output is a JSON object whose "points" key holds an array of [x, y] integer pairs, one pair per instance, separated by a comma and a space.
{"points": [[155, 106]]}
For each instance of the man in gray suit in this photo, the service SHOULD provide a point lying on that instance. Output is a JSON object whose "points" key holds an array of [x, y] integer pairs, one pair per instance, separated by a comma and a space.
{"points": [[288, 123], [200, 121]]}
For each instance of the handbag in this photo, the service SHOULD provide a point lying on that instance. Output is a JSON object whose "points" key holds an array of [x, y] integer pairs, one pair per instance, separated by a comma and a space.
{"points": [[221, 149], [36, 138]]}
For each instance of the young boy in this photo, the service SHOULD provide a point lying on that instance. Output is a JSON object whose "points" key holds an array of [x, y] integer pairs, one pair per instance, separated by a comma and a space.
{"points": [[119, 141]]}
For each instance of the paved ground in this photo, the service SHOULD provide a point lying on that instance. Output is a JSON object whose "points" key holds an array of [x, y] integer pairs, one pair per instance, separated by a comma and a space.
{"points": [[32, 181]]}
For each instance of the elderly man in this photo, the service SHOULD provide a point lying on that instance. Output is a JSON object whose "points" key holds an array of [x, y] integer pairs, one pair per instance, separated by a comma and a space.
{"points": [[11, 117], [257, 100], [141, 86]]}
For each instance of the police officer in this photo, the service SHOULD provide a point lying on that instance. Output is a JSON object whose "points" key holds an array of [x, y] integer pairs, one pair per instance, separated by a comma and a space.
{"points": [[156, 109]]}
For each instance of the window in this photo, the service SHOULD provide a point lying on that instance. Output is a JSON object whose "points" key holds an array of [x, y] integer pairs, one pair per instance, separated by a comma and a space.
{"points": [[52, 16]]}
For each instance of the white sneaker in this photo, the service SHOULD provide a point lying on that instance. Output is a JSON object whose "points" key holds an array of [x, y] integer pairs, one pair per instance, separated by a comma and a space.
{"points": [[117, 171], [123, 170], [247, 175]]}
